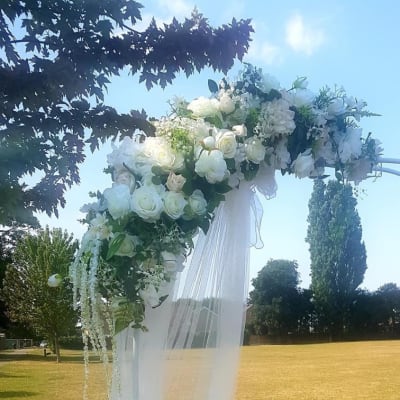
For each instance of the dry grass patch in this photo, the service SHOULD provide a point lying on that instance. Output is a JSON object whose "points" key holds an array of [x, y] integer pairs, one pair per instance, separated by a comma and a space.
{"points": [[340, 371]]}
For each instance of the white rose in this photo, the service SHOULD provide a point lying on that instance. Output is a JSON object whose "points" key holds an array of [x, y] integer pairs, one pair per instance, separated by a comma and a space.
{"points": [[147, 203], [172, 262], [226, 104], [126, 153], [118, 200], [336, 107], [323, 148], [212, 166], [175, 182], [203, 107], [240, 130], [351, 102], [350, 146], [99, 228], [197, 202], [255, 151], [303, 97], [209, 142], [358, 170], [268, 83], [303, 165], [54, 280], [198, 129], [127, 247], [95, 207], [226, 142], [174, 203], [160, 152], [150, 296], [124, 177], [179, 162]]}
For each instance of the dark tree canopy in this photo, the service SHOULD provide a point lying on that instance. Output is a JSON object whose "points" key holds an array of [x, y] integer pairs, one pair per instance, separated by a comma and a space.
{"points": [[338, 256], [275, 298], [56, 59]]}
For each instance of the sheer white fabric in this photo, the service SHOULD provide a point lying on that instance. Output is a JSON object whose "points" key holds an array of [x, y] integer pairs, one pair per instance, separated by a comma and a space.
{"points": [[208, 316], [191, 350], [140, 357]]}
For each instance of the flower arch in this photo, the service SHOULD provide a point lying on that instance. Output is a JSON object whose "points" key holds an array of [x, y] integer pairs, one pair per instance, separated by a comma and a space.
{"points": [[199, 173]]}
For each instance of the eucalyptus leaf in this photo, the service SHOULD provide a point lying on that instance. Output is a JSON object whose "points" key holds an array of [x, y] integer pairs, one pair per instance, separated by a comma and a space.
{"points": [[212, 85], [114, 245]]}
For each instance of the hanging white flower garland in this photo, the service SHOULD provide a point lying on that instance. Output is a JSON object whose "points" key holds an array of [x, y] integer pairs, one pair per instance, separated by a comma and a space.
{"points": [[165, 188]]}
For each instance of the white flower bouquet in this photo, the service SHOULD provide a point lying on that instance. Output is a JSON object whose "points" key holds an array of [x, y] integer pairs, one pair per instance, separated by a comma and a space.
{"points": [[167, 187]]}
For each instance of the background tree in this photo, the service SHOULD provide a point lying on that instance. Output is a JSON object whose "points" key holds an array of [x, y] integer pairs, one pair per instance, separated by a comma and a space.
{"points": [[338, 256], [275, 298], [9, 236], [56, 59], [29, 299], [389, 296]]}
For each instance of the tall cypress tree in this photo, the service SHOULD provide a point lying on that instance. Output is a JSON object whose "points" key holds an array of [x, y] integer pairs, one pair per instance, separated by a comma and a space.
{"points": [[338, 256]]}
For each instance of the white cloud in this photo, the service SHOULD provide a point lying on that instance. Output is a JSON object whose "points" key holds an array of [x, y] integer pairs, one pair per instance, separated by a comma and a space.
{"points": [[265, 52], [178, 8], [302, 38], [165, 10]]}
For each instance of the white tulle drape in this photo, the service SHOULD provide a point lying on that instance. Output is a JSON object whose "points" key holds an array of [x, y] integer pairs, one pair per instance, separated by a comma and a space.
{"points": [[191, 349]]}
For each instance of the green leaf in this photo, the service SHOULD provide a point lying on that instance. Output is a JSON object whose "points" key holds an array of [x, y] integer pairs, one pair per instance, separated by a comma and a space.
{"points": [[156, 170], [222, 187], [230, 163], [204, 225], [120, 325], [215, 201], [162, 299], [214, 120], [188, 187], [212, 85], [156, 180], [115, 244]]}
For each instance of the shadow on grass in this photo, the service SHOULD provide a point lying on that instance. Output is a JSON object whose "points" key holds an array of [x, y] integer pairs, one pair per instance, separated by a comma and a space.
{"points": [[5, 375], [12, 394], [10, 356]]}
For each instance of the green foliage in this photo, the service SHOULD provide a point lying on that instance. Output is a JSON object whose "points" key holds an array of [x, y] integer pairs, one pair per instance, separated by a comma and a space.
{"points": [[30, 301], [338, 256], [56, 60], [9, 237], [276, 299]]}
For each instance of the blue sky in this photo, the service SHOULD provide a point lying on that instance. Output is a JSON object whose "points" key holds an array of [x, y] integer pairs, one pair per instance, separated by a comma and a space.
{"points": [[353, 44]]}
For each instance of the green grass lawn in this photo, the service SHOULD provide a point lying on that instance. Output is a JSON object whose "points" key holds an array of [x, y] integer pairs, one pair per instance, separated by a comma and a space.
{"points": [[340, 371]]}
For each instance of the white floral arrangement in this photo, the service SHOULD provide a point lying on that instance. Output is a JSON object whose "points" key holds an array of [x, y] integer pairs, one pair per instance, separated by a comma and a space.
{"points": [[166, 187]]}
